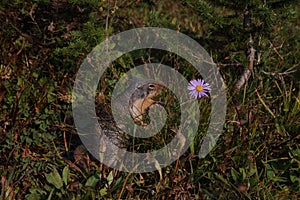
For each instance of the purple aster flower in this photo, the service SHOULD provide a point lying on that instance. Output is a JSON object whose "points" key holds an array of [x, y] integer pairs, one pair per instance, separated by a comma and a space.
{"points": [[199, 88]]}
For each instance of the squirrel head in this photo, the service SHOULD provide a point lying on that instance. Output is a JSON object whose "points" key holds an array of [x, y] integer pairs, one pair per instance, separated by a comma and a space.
{"points": [[141, 100], [146, 92]]}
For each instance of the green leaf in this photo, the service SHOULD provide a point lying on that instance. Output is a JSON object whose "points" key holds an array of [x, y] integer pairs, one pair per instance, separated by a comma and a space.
{"points": [[20, 81], [294, 178], [110, 178], [253, 171], [103, 191], [220, 177], [66, 174], [234, 174], [243, 173], [92, 181], [35, 74], [32, 196], [35, 194], [54, 178]]}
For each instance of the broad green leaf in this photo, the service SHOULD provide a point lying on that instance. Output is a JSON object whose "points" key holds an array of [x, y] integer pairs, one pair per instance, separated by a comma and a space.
{"points": [[54, 178], [92, 181], [66, 175], [103, 191]]}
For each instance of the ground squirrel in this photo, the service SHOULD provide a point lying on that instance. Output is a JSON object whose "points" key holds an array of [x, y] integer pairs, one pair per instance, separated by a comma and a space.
{"points": [[137, 99], [134, 101], [141, 100]]}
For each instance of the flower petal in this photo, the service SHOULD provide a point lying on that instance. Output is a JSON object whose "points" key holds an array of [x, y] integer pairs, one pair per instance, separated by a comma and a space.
{"points": [[191, 87], [194, 82]]}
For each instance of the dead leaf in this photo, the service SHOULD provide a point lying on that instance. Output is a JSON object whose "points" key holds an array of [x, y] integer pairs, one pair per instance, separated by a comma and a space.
{"points": [[129, 188], [81, 157], [51, 27]]}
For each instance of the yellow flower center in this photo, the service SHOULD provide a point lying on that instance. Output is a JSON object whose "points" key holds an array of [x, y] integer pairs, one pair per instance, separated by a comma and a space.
{"points": [[199, 88]]}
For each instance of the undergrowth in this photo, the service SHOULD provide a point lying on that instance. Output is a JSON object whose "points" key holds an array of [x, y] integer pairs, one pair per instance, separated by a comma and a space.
{"points": [[44, 42]]}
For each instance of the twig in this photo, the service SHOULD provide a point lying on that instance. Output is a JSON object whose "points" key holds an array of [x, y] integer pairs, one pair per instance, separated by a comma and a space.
{"points": [[124, 185], [275, 49], [247, 72], [287, 72], [251, 57], [65, 137], [228, 64]]}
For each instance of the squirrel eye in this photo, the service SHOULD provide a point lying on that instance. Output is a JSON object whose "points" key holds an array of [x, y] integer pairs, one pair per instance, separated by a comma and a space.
{"points": [[151, 86]]}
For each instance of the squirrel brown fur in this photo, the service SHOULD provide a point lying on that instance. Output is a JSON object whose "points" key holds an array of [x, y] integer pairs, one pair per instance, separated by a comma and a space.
{"points": [[141, 100]]}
